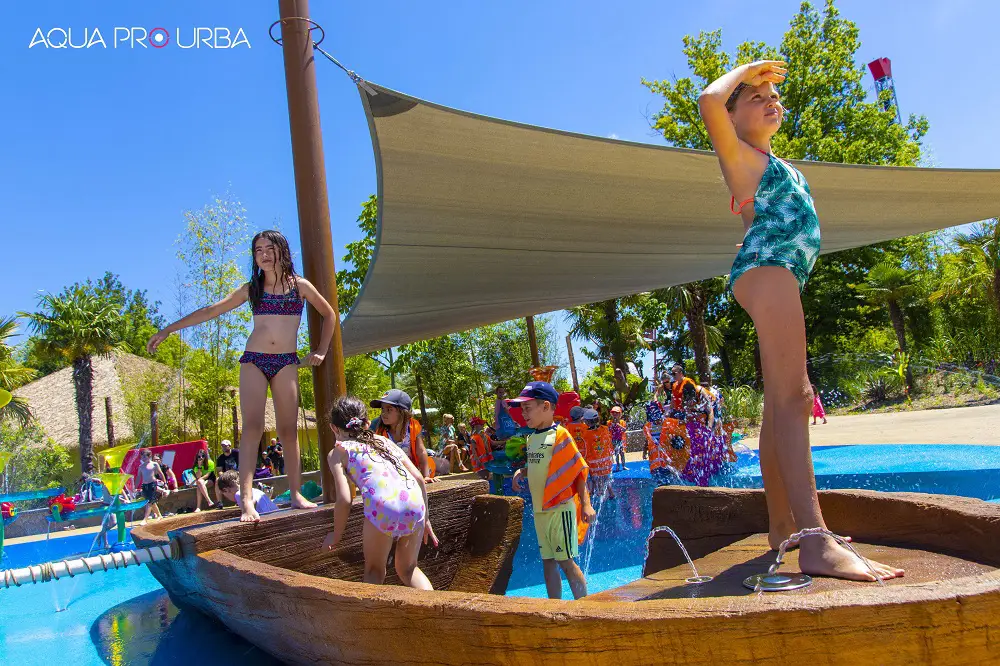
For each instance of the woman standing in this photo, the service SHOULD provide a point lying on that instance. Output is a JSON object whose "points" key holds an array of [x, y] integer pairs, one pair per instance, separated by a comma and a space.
{"points": [[276, 296]]}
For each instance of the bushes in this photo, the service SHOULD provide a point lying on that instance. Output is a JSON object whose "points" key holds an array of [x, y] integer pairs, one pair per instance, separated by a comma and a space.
{"points": [[38, 462], [743, 404]]}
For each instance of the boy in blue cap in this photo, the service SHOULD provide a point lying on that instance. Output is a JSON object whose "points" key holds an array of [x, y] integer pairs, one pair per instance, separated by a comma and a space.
{"points": [[557, 479]]}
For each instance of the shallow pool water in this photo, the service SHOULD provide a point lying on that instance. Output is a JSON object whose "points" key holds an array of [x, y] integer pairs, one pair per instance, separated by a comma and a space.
{"points": [[124, 617]]}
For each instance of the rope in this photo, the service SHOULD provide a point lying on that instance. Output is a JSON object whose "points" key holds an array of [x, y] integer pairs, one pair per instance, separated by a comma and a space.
{"points": [[313, 25]]}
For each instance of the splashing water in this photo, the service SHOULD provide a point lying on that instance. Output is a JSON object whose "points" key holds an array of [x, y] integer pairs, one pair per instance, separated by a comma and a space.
{"points": [[604, 491], [695, 578]]}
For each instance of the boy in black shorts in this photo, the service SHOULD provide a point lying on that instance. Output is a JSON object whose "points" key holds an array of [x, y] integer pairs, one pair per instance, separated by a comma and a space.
{"points": [[149, 473]]}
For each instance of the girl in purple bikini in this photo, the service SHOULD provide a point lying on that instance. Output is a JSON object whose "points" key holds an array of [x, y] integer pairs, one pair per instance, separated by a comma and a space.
{"points": [[276, 296]]}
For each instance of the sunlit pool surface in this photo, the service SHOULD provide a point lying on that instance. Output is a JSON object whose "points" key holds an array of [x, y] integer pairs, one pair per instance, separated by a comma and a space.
{"points": [[124, 617]]}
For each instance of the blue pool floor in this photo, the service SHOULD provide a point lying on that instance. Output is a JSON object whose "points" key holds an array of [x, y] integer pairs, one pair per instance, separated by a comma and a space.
{"points": [[124, 617]]}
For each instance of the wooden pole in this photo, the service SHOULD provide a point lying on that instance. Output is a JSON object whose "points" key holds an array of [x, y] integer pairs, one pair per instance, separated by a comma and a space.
{"points": [[314, 213], [154, 425], [423, 406], [572, 364], [109, 417], [236, 426], [533, 342]]}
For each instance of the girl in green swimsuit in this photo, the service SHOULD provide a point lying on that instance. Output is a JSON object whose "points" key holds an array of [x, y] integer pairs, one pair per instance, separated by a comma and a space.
{"points": [[742, 111]]}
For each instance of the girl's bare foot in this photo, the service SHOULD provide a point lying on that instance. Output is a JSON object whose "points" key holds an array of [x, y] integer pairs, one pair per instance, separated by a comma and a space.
{"points": [[820, 555], [300, 502], [249, 511]]}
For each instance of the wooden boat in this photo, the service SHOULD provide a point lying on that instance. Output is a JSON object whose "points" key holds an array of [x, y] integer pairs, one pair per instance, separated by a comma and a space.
{"points": [[272, 585]]}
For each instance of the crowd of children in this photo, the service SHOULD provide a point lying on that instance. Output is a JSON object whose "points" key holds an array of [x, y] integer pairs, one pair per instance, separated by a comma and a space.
{"points": [[693, 444]]}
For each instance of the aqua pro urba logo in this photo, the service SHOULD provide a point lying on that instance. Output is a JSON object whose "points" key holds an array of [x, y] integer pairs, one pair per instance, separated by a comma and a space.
{"points": [[137, 37]]}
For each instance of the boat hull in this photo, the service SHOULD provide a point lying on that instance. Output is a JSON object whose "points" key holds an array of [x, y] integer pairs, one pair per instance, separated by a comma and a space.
{"points": [[306, 619]]}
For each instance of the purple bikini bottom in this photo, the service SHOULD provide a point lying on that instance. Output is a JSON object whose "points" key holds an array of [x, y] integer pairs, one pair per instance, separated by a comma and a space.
{"points": [[269, 364]]}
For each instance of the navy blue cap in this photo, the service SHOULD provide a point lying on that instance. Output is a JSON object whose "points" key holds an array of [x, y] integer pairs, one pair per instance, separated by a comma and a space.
{"points": [[537, 391], [396, 398], [591, 415]]}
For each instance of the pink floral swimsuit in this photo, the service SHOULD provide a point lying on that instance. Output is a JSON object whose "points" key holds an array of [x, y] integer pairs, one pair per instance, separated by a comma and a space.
{"points": [[394, 504]]}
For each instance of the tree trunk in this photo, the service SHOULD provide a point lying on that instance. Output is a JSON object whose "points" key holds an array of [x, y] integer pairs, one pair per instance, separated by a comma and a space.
{"points": [[83, 383], [699, 339], [896, 316], [727, 368], [996, 289], [758, 368], [614, 343]]}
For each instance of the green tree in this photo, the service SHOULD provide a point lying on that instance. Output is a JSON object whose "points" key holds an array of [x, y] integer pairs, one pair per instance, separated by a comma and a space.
{"points": [[502, 355], [616, 329], [891, 285], [351, 279], [75, 329], [37, 461], [215, 240], [13, 374], [978, 266], [139, 319], [689, 303], [359, 256]]}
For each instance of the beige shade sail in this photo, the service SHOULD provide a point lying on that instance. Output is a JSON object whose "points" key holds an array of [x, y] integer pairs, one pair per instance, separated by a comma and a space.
{"points": [[483, 220]]}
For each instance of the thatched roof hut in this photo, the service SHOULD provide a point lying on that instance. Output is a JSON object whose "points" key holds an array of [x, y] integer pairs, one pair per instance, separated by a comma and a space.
{"points": [[52, 398]]}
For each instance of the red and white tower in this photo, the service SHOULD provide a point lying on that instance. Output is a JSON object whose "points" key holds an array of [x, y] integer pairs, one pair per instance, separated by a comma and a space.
{"points": [[881, 70]]}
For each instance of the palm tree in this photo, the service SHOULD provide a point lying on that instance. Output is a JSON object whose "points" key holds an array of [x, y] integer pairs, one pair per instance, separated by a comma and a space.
{"points": [[891, 285], [979, 264], [13, 374], [76, 327], [615, 328], [690, 302]]}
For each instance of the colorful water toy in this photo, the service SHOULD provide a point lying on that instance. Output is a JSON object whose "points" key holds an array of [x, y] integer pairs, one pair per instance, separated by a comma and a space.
{"points": [[7, 508], [64, 508], [61, 505], [515, 451], [8, 511], [310, 490]]}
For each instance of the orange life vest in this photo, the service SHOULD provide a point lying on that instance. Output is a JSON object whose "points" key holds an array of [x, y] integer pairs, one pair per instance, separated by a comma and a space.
{"points": [[677, 392], [576, 431], [657, 457], [415, 431], [676, 458], [599, 450], [565, 469], [479, 452]]}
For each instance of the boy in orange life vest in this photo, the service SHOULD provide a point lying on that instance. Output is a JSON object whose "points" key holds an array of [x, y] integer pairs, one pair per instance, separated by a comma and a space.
{"points": [[479, 452], [557, 479], [597, 443]]}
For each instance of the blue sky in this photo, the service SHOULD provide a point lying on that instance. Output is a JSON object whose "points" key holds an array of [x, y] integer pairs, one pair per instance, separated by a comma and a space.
{"points": [[105, 148]]}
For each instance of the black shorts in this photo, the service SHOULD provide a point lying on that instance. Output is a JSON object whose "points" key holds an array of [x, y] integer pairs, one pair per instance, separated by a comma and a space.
{"points": [[150, 492]]}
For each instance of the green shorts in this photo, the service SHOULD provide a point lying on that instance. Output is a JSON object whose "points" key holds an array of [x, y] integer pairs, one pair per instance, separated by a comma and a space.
{"points": [[556, 530]]}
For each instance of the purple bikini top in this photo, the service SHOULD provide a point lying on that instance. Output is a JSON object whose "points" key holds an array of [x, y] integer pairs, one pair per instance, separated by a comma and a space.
{"points": [[289, 303]]}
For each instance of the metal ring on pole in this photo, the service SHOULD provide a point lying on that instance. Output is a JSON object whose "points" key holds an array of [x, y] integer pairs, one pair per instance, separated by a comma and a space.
{"points": [[312, 26]]}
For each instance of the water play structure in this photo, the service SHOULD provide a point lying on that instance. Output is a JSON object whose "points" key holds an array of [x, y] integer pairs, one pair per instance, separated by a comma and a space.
{"points": [[274, 586]]}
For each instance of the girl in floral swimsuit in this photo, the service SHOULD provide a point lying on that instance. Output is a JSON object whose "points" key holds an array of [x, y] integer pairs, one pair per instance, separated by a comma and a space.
{"points": [[742, 111], [392, 490], [276, 296]]}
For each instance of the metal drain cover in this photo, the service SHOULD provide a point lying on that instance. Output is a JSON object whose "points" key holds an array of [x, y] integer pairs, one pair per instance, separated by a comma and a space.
{"points": [[698, 580], [777, 582]]}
